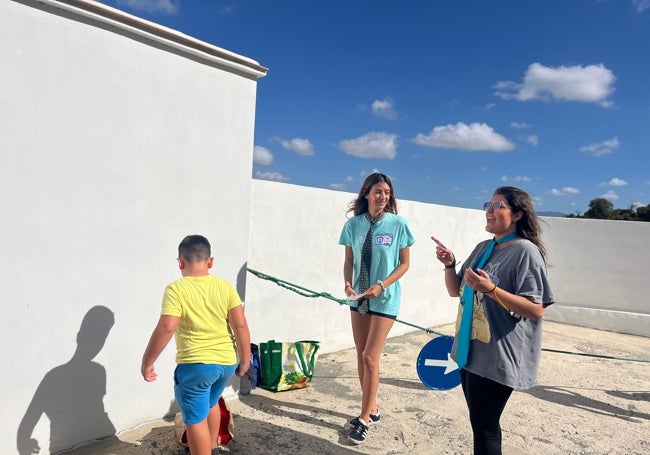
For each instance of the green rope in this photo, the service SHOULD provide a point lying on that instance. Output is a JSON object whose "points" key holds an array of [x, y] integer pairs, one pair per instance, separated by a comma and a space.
{"points": [[600, 356], [311, 294]]}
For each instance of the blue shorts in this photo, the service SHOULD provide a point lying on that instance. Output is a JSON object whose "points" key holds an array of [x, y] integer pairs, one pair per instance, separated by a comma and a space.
{"points": [[198, 386]]}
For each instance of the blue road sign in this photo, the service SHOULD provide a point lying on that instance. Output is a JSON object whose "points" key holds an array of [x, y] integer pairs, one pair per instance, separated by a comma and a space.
{"points": [[435, 367]]}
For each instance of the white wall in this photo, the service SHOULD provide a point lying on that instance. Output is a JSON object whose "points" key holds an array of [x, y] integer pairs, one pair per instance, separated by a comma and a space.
{"points": [[294, 237], [599, 271], [597, 268], [115, 144]]}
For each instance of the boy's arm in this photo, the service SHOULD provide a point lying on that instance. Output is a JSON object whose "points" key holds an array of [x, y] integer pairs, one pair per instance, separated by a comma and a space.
{"points": [[159, 339], [239, 325]]}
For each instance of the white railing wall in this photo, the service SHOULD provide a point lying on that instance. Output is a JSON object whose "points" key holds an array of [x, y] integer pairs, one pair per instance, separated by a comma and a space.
{"points": [[597, 268], [117, 139]]}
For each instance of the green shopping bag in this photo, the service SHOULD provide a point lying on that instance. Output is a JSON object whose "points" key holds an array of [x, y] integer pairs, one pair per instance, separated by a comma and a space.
{"points": [[287, 365]]}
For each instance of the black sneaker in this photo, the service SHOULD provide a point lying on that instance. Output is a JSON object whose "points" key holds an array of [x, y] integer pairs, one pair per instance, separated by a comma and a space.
{"points": [[374, 420], [359, 433]]}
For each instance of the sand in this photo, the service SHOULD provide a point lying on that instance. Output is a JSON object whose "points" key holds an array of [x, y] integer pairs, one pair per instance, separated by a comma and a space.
{"points": [[583, 405]]}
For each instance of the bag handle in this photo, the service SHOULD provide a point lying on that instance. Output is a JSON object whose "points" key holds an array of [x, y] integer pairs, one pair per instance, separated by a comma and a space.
{"points": [[309, 372]]}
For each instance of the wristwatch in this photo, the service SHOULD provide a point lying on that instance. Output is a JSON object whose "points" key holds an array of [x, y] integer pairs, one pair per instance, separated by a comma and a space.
{"points": [[381, 283]]}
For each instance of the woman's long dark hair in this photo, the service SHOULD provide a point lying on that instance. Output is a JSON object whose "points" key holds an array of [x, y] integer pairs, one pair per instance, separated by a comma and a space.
{"points": [[528, 225], [360, 204]]}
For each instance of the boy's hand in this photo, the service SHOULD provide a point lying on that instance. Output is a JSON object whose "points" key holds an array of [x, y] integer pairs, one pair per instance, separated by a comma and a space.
{"points": [[242, 368], [148, 373]]}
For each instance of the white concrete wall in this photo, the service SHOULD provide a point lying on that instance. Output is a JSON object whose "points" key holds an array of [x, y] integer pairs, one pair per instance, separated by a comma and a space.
{"points": [[114, 145], [599, 271], [597, 268], [294, 237]]}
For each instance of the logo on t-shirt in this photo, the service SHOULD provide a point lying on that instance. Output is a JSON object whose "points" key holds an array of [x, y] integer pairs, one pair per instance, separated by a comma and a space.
{"points": [[384, 239]]}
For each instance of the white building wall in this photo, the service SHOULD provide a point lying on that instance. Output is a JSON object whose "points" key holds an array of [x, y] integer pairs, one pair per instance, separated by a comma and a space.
{"points": [[597, 268], [115, 143]]}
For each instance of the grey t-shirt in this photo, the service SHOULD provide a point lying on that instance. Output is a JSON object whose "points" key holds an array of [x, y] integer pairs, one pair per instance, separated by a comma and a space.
{"points": [[506, 347]]}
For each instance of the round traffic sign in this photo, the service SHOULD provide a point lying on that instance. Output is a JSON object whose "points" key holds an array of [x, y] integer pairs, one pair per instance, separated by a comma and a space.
{"points": [[436, 369]]}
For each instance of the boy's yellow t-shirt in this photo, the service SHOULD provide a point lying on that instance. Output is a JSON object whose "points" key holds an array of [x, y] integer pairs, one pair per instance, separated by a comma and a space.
{"points": [[202, 304]]}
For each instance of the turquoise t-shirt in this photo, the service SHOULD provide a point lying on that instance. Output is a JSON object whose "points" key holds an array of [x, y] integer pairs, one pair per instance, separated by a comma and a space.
{"points": [[391, 234]]}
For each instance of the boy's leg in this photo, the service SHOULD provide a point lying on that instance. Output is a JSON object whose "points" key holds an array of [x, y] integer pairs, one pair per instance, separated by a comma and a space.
{"points": [[214, 421], [197, 388], [198, 438], [214, 417]]}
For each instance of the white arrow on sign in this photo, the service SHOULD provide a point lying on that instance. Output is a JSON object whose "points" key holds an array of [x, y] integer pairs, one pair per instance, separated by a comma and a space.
{"points": [[449, 364]]}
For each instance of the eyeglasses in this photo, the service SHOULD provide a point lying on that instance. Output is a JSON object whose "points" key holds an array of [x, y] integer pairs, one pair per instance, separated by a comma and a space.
{"points": [[495, 206]]}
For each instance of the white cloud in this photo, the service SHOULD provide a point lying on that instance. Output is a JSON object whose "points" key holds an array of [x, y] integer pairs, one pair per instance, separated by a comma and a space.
{"points": [[641, 5], [337, 186], [564, 191], [519, 125], [371, 145], [533, 140], [587, 84], [342, 186], [168, 7], [273, 176], [384, 108], [300, 146], [519, 178], [636, 204], [614, 182], [262, 156], [475, 136], [601, 148], [610, 195]]}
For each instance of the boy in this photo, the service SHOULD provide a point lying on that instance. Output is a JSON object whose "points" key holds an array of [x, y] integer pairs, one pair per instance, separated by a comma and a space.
{"points": [[198, 309]]}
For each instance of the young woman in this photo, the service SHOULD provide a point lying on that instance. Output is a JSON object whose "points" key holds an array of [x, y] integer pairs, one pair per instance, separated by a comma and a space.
{"points": [[509, 293], [371, 277]]}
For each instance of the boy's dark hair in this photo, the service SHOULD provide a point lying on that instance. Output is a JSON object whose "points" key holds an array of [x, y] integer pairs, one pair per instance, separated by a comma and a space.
{"points": [[194, 248]]}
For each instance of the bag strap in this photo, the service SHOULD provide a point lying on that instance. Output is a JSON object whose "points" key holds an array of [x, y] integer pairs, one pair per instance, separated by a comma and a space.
{"points": [[309, 372]]}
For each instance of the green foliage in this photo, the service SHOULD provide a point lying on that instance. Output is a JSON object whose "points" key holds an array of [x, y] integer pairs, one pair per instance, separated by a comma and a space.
{"points": [[600, 209], [643, 213], [603, 209]]}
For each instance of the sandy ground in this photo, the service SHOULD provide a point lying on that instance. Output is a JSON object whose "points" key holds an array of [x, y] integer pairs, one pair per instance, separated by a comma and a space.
{"points": [[583, 405]]}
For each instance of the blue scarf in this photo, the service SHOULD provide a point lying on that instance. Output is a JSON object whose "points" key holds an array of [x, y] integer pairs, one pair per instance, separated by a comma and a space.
{"points": [[467, 300]]}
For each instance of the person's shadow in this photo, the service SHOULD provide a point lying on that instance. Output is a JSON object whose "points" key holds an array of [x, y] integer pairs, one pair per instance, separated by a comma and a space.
{"points": [[71, 395]]}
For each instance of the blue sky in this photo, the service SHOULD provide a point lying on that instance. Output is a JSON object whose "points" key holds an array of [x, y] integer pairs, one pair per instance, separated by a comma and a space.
{"points": [[451, 98]]}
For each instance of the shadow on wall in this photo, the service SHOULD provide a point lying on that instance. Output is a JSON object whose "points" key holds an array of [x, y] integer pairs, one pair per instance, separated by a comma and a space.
{"points": [[241, 281], [71, 395]]}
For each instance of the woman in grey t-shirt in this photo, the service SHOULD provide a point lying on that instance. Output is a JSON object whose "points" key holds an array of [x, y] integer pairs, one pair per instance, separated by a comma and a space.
{"points": [[510, 293]]}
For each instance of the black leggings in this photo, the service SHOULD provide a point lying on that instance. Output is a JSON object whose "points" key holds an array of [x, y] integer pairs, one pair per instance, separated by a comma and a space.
{"points": [[485, 401]]}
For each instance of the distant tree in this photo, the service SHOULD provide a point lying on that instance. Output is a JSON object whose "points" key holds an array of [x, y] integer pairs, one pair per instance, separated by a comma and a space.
{"points": [[603, 209], [623, 214], [600, 209], [643, 213]]}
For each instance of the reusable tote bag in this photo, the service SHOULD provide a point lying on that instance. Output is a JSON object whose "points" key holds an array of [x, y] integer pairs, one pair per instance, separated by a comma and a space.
{"points": [[287, 365]]}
